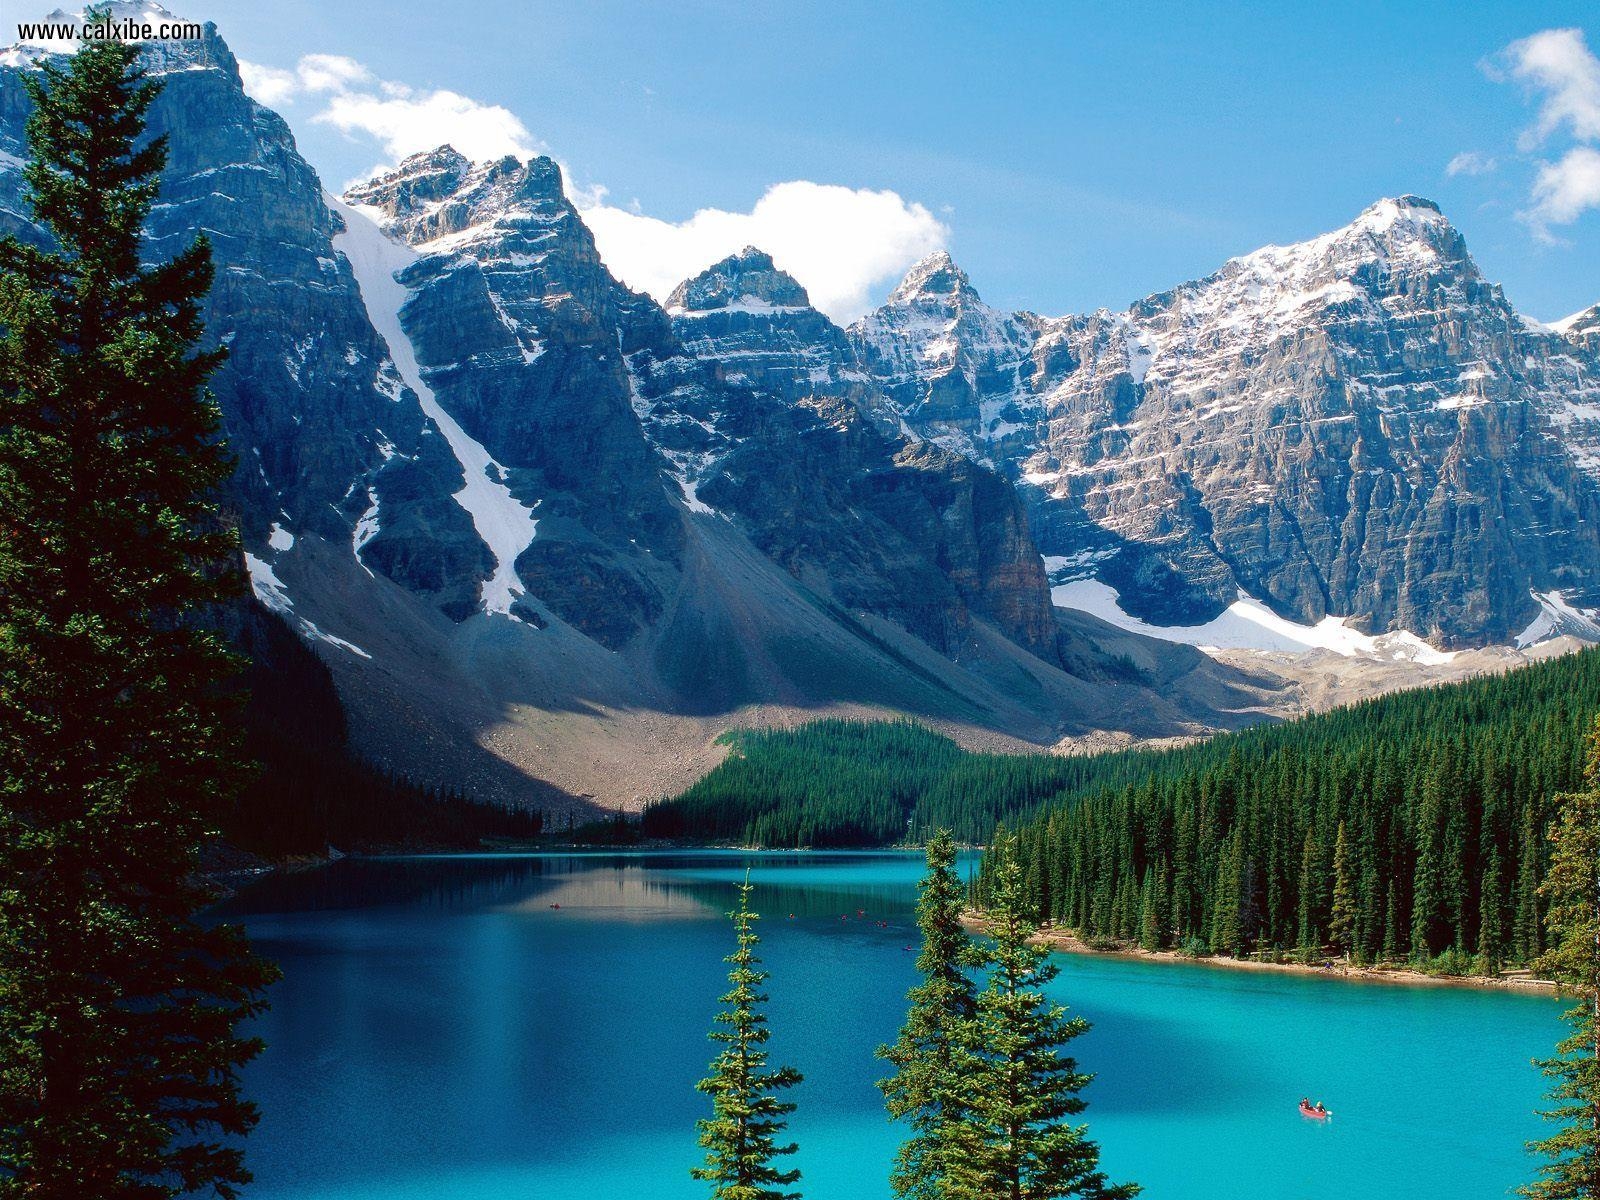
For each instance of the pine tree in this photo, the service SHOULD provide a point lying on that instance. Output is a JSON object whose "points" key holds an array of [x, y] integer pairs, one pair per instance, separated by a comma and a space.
{"points": [[933, 1076], [1527, 942], [1429, 929], [1491, 935], [740, 1137], [1342, 923], [1015, 1141], [1227, 934], [119, 1051], [1571, 1170]]}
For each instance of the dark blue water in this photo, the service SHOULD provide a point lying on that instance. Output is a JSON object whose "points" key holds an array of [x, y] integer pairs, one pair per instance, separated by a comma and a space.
{"points": [[443, 1032]]}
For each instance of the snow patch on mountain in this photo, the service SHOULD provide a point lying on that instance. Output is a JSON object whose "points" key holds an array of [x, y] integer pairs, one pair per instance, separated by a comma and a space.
{"points": [[504, 523], [269, 589], [1557, 618], [1247, 624], [280, 538]]}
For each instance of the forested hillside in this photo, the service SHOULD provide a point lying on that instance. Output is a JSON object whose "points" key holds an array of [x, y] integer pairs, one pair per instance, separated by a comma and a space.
{"points": [[1408, 826], [857, 783]]}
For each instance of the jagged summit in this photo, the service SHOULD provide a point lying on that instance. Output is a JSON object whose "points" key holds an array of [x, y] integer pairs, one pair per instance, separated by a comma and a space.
{"points": [[440, 192], [1401, 233], [748, 279], [421, 179], [933, 277]]}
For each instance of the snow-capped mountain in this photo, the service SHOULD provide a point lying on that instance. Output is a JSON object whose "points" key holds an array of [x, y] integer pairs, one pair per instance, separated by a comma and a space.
{"points": [[551, 539], [1581, 327], [958, 369], [1357, 426]]}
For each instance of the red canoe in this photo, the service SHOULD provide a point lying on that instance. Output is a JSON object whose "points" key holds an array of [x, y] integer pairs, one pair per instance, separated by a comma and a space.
{"points": [[1318, 1114]]}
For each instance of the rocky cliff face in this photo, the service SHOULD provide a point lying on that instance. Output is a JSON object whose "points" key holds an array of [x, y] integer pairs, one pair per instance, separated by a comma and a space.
{"points": [[517, 332], [958, 369], [949, 536], [1359, 425], [552, 537], [1582, 328], [587, 400]]}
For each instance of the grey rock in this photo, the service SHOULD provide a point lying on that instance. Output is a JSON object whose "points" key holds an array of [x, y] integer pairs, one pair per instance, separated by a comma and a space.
{"points": [[1358, 426]]}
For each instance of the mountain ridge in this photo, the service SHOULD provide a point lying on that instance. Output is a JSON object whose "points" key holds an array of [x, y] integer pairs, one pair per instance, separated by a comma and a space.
{"points": [[1386, 326], [552, 538]]}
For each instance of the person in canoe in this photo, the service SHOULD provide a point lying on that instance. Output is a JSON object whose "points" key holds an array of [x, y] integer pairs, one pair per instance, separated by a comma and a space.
{"points": [[1317, 1110]]}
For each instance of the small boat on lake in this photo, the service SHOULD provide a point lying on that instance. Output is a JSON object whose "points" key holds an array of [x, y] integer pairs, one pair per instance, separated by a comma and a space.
{"points": [[1315, 1111]]}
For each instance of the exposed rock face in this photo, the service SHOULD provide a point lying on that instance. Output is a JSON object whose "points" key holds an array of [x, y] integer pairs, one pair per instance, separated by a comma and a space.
{"points": [[517, 330], [958, 369], [584, 397], [538, 526], [940, 535], [533, 534], [310, 402], [758, 323], [1582, 328], [1359, 425]]}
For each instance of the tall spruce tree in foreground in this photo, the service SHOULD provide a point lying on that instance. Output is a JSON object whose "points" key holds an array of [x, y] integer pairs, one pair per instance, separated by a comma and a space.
{"points": [[119, 1054], [740, 1138], [934, 1071], [1571, 1170], [1015, 1142]]}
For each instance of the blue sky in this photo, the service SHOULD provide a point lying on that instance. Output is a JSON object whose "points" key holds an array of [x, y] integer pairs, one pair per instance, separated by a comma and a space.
{"points": [[1071, 155]]}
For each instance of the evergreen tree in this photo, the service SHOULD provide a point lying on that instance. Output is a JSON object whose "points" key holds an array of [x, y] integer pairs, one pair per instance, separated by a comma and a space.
{"points": [[933, 1076], [1342, 923], [1428, 925], [740, 1137], [1015, 1141], [119, 1051], [1571, 1170], [1491, 936]]}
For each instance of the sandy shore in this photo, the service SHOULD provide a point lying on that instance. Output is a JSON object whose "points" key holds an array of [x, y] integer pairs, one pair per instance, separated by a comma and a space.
{"points": [[1069, 943]]}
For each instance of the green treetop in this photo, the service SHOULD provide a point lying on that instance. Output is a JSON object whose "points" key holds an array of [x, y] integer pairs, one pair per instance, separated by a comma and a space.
{"points": [[934, 1071], [740, 1137], [1016, 1141]]}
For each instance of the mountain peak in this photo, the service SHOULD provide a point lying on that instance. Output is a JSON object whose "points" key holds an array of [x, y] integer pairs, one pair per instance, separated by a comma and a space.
{"points": [[933, 277], [1392, 211], [1581, 327], [440, 191], [749, 279], [1401, 234]]}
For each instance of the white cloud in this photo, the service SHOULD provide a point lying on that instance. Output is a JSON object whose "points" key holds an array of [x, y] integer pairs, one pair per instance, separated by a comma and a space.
{"points": [[400, 118], [406, 122], [331, 73], [1471, 162], [841, 243], [1557, 66], [1559, 63], [1564, 190], [272, 86]]}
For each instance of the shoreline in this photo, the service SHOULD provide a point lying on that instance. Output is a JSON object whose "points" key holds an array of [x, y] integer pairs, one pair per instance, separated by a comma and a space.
{"points": [[1064, 942]]}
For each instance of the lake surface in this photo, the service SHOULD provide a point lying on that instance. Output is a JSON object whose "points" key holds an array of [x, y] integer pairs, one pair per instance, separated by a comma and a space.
{"points": [[444, 1032]]}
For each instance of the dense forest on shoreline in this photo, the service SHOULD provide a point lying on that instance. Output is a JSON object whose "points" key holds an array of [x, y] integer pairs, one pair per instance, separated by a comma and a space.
{"points": [[1411, 826]]}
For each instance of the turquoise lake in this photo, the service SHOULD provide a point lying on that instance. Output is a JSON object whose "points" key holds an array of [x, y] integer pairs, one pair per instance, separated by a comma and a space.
{"points": [[444, 1032]]}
